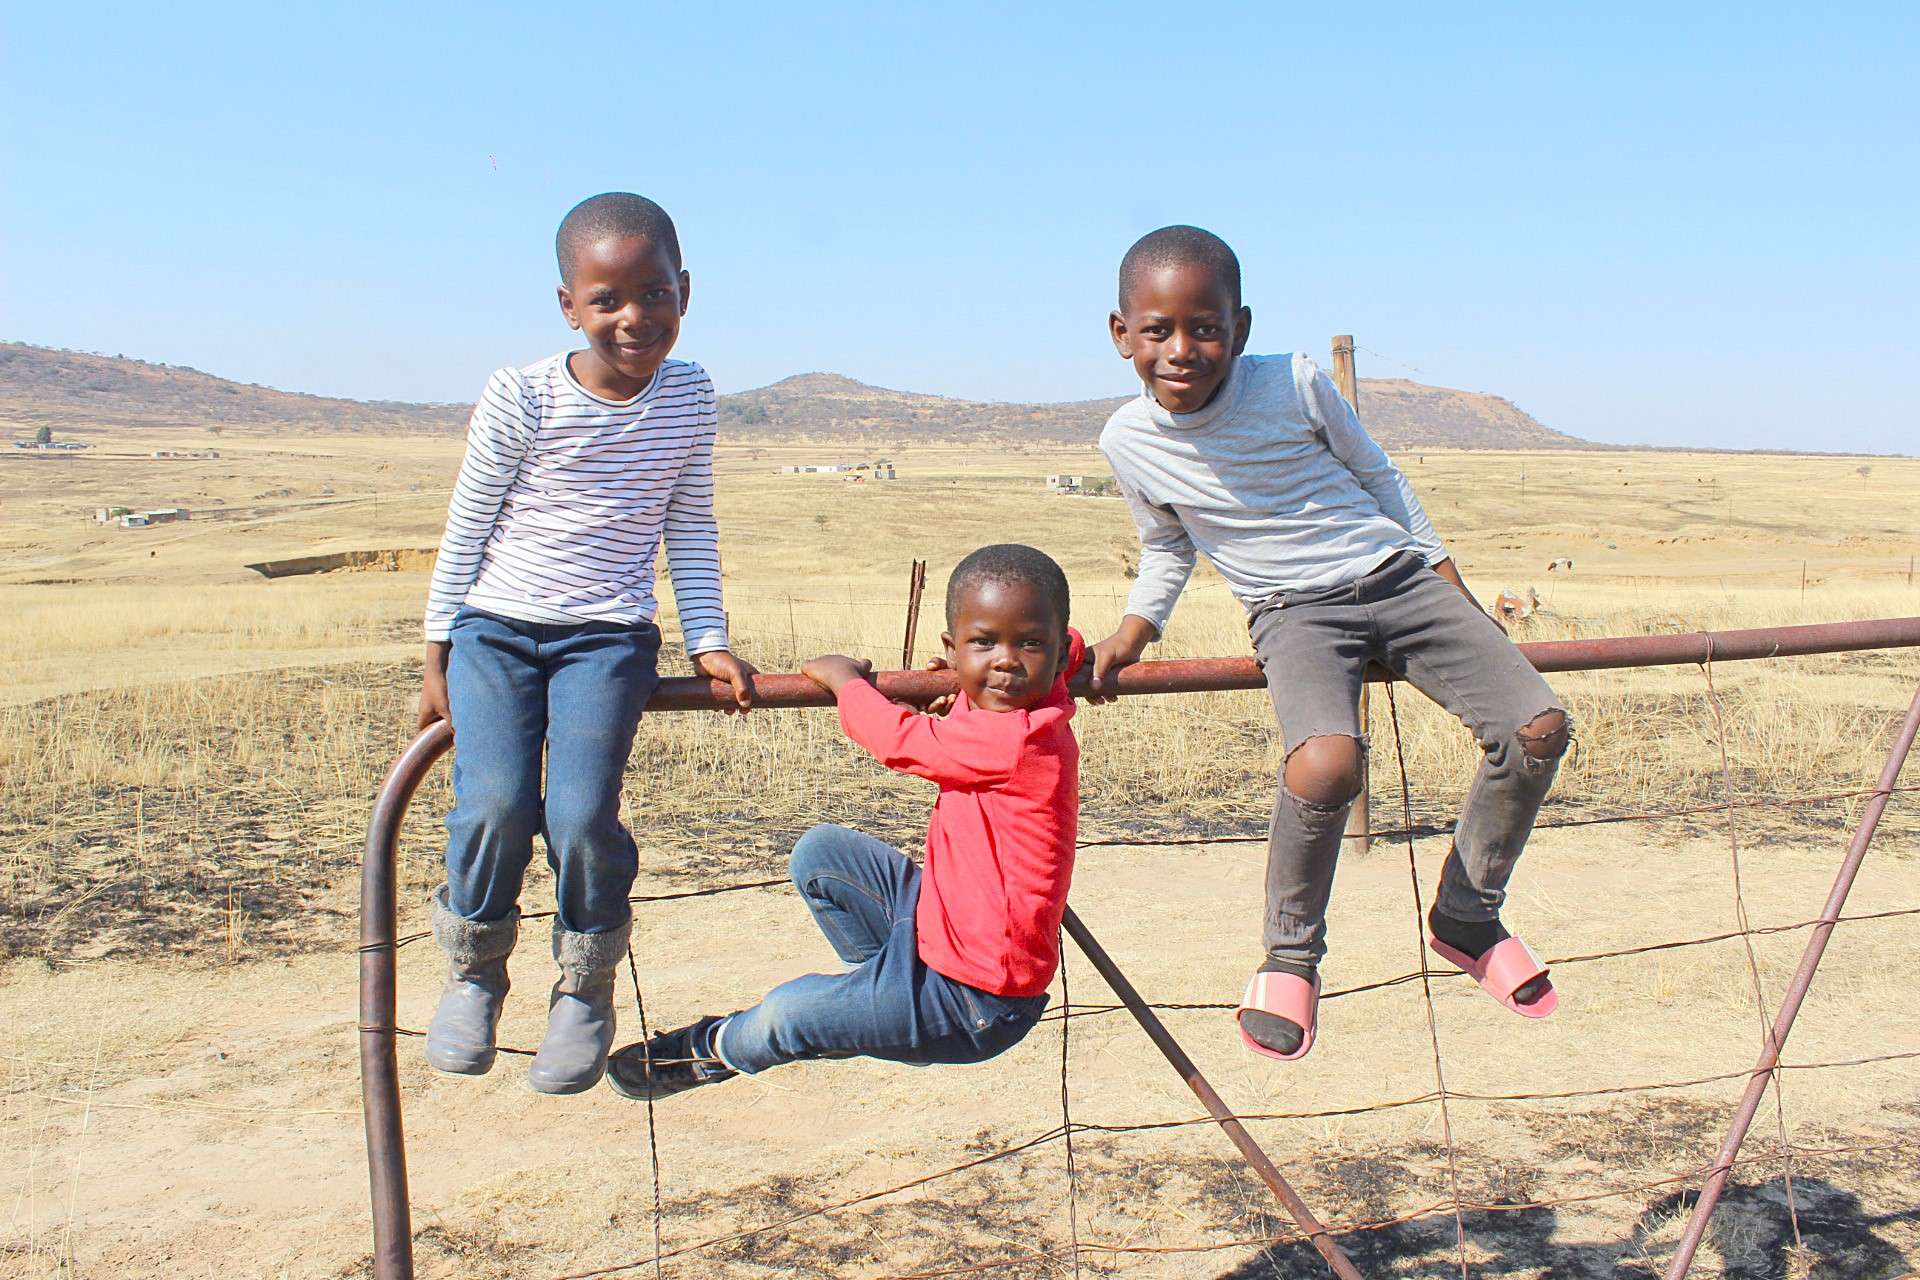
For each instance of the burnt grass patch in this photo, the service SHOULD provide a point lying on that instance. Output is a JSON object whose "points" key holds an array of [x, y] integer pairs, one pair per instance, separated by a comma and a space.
{"points": [[1143, 1212]]}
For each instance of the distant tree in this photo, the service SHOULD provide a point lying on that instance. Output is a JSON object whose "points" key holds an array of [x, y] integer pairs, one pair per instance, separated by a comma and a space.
{"points": [[43, 436]]}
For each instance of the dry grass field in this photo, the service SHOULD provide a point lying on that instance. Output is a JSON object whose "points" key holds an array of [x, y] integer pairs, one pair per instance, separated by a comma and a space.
{"points": [[188, 750]]}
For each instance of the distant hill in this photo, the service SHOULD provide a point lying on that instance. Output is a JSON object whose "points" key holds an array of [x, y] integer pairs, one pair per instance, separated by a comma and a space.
{"points": [[42, 386], [1399, 414]]}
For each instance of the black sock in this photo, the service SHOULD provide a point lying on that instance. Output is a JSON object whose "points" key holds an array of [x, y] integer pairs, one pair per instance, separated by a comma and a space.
{"points": [[1270, 965], [1476, 938]]}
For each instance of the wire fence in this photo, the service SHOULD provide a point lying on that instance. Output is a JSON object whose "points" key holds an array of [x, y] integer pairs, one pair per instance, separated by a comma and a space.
{"points": [[1783, 1157]]}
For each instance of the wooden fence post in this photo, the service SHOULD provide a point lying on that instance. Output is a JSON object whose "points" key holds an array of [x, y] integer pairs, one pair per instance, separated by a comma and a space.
{"points": [[1358, 817]]}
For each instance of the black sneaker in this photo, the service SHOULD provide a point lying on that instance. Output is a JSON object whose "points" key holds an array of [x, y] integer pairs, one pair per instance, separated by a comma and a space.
{"points": [[668, 1064]]}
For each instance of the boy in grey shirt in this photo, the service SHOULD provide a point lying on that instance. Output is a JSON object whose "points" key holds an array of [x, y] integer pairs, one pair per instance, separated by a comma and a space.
{"points": [[1260, 464]]}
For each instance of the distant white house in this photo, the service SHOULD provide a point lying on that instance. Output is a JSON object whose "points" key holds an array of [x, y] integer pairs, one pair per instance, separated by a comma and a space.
{"points": [[108, 515], [1066, 483], [186, 453], [134, 520]]}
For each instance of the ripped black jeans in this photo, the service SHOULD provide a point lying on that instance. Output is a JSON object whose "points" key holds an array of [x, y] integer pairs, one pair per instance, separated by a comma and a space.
{"points": [[1314, 648]]}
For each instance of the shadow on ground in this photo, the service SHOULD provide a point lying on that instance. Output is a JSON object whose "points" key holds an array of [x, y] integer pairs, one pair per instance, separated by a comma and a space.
{"points": [[1751, 1239]]}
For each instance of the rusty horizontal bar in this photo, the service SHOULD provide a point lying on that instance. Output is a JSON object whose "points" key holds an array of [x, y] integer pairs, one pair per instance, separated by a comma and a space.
{"points": [[1202, 675]]}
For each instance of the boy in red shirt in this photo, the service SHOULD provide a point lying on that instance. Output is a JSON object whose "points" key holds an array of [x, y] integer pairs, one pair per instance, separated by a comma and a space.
{"points": [[948, 964]]}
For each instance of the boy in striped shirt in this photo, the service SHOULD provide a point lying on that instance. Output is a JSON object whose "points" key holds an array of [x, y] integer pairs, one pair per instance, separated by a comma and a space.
{"points": [[540, 630]]}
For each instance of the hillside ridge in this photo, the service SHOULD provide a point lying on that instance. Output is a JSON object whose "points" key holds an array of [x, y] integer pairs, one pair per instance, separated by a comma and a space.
{"points": [[43, 386]]}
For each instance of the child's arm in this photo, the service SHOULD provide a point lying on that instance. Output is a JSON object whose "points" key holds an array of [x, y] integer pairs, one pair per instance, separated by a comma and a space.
{"points": [[962, 751], [1348, 441], [692, 538], [497, 440], [1166, 562]]}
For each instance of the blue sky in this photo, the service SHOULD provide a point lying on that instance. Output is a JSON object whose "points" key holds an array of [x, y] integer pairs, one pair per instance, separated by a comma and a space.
{"points": [[1669, 224]]}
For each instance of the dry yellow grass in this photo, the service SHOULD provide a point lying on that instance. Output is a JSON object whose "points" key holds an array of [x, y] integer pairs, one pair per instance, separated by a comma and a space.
{"points": [[175, 713], [187, 752]]}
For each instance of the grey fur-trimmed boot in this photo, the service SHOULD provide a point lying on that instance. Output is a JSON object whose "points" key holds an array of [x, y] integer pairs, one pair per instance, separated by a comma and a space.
{"points": [[580, 1022], [460, 1037]]}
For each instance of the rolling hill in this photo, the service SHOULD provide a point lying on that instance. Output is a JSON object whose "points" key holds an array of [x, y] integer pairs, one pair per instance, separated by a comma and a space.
{"points": [[1399, 413], [70, 390]]}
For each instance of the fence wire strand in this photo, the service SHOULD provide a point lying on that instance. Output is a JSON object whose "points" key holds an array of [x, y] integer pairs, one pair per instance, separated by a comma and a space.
{"points": [[1426, 986], [1746, 941]]}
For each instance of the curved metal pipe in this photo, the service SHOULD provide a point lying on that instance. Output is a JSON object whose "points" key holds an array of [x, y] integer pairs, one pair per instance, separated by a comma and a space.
{"points": [[379, 1069]]}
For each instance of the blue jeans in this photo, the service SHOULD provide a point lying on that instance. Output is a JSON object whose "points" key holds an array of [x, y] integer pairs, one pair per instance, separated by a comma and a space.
{"points": [[862, 893], [577, 689]]}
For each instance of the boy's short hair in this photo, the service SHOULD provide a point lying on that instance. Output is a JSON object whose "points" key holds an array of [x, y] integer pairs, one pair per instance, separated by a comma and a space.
{"points": [[1179, 246], [614, 214], [1010, 562]]}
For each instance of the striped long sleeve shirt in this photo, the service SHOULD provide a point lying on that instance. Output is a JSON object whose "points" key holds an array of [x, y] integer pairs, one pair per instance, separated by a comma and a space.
{"points": [[565, 497]]}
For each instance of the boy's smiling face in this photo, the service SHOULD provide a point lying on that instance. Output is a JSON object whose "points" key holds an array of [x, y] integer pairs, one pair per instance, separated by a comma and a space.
{"points": [[627, 297], [1182, 329], [1005, 644]]}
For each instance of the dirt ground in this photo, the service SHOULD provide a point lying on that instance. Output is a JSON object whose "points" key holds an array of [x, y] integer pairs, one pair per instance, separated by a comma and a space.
{"points": [[195, 1122]]}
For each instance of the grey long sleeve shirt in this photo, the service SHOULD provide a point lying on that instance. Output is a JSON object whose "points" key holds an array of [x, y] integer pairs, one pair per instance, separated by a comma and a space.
{"points": [[1275, 482]]}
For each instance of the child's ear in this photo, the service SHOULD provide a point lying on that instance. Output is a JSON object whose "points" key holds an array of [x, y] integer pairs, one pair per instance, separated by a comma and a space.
{"points": [[686, 291], [1117, 330], [946, 643], [1243, 328], [566, 307]]}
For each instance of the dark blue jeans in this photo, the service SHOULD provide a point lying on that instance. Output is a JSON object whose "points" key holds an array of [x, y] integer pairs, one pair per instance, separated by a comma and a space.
{"points": [[888, 1004], [578, 690]]}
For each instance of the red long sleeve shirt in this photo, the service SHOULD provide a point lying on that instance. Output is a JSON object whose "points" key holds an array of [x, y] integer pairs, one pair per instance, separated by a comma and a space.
{"points": [[1000, 843]]}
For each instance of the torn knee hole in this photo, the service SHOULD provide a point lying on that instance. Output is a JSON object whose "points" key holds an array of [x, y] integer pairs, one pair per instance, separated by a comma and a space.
{"points": [[1325, 772], [1324, 807], [1546, 736]]}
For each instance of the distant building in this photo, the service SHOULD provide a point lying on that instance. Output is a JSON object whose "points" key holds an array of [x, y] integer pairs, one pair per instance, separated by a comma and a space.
{"points": [[883, 471], [817, 469], [141, 519], [186, 453], [1066, 483]]}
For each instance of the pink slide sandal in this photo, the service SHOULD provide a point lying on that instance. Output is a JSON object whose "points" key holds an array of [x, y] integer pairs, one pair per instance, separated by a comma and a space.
{"points": [[1504, 969], [1284, 996]]}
